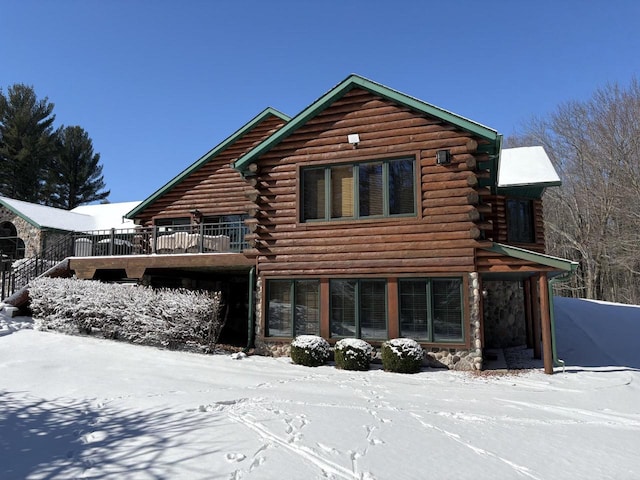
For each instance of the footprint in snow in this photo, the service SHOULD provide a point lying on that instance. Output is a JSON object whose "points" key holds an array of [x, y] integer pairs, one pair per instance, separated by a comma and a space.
{"points": [[234, 457]]}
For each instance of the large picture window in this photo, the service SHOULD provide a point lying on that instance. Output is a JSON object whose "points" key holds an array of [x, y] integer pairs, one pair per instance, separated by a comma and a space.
{"points": [[358, 308], [293, 308], [431, 309], [520, 221], [367, 189]]}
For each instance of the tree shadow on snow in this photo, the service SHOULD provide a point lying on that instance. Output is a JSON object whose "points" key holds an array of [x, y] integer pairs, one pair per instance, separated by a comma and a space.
{"points": [[63, 438]]}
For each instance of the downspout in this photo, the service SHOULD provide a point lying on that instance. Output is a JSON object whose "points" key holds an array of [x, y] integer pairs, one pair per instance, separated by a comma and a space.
{"points": [[554, 354], [250, 315]]}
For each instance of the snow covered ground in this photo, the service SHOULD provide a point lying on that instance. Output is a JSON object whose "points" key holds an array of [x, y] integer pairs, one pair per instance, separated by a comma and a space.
{"points": [[73, 407]]}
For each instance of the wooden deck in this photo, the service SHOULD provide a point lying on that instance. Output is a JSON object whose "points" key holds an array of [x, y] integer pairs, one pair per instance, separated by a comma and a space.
{"points": [[135, 265]]}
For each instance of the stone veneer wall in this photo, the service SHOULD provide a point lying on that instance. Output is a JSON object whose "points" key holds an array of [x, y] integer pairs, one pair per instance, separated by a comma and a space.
{"points": [[452, 358], [504, 319], [30, 235]]}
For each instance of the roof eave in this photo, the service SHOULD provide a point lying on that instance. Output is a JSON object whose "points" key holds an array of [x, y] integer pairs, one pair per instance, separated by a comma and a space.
{"points": [[354, 81], [211, 154], [20, 214], [557, 263]]}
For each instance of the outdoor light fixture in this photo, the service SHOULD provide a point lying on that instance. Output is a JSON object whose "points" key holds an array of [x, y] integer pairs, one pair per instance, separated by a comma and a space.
{"points": [[443, 157], [195, 212], [354, 139]]}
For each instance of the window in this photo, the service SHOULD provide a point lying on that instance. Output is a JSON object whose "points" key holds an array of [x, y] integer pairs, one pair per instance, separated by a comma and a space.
{"points": [[431, 309], [168, 225], [293, 308], [520, 221], [368, 189], [358, 308]]}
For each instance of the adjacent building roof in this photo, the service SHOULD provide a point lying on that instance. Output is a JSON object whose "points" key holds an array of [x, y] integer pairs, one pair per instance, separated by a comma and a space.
{"points": [[84, 218], [207, 157], [356, 81], [526, 166]]}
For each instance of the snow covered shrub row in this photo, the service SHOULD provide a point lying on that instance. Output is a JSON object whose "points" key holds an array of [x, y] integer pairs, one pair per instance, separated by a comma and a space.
{"points": [[168, 318], [310, 350], [402, 355], [352, 354]]}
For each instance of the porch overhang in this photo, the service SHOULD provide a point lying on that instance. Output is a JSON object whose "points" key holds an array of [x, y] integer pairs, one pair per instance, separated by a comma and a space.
{"points": [[553, 266]]}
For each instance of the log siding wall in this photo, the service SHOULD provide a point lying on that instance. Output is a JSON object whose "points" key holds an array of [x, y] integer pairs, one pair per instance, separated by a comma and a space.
{"points": [[440, 238], [215, 188]]}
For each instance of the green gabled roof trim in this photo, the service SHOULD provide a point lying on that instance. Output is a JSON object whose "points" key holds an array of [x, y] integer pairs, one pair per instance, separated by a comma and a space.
{"points": [[20, 214], [211, 154], [530, 256], [356, 81]]}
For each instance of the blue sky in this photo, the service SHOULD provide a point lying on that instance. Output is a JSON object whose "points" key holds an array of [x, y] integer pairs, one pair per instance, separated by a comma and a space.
{"points": [[158, 83]]}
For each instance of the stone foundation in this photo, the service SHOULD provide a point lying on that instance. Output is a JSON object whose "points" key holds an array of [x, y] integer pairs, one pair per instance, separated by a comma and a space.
{"points": [[504, 318]]}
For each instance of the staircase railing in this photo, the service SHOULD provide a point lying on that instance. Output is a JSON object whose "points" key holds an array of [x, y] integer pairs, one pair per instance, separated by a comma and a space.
{"points": [[18, 275]]}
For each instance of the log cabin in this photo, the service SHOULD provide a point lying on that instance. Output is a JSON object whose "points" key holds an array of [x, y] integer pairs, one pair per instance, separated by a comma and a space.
{"points": [[369, 214]]}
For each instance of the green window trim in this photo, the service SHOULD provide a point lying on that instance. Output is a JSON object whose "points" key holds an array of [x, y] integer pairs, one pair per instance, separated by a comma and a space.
{"points": [[326, 205], [293, 314], [431, 317], [363, 323]]}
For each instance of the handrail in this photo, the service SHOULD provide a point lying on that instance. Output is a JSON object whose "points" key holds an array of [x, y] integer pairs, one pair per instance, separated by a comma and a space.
{"points": [[24, 270], [194, 238]]}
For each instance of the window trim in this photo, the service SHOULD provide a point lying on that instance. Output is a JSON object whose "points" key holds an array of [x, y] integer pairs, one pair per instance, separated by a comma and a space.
{"points": [[358, 312], [355, 164], [430, 309]]}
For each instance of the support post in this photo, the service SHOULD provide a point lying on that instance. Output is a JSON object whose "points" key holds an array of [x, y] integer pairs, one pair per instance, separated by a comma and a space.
{"points": [[545, 319]]}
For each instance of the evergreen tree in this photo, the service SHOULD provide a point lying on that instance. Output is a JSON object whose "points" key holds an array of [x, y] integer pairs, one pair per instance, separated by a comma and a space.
{"points": [[26, 142], [76, 175]]}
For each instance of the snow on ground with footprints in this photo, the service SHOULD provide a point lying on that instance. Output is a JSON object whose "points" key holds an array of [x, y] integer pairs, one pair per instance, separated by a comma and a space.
{"points": [[78, 407]]}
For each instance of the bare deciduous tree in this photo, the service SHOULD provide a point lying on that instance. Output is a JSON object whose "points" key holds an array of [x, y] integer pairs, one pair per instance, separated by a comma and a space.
{"points": [[594, 217]]}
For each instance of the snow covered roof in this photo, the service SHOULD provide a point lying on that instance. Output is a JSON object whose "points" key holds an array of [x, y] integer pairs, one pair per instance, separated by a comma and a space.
{"points": [[526, 166], [108, 215], [84, 218]]}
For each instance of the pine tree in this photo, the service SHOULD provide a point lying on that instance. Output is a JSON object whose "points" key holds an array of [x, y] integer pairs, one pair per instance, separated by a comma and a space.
{"points": [[76, 175], [26, 142]]}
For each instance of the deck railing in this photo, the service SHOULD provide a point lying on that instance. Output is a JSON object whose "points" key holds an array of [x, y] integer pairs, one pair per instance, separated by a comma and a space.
{"points": [[195, 238]]}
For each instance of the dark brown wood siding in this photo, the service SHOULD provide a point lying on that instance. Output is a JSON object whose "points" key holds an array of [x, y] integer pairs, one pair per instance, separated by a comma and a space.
{"points": [[215, 188], [441, 237], [499, 231]]}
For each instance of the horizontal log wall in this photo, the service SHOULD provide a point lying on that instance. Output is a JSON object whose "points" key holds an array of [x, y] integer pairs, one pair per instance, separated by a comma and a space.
{"points": [[441, 237], [215, 188], [498, 218]]}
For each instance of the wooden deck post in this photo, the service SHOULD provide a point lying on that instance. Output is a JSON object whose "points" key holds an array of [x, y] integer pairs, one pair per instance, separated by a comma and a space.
{"points": [[545, 319], [535, 309]]}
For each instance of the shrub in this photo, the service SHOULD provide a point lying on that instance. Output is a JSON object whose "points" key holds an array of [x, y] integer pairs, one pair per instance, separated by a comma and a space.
{"points": [[167, 318], [309, 350], [402, 355], [352, 354]]}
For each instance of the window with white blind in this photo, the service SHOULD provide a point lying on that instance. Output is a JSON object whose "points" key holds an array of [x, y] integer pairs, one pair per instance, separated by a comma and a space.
{"points": [[382, 188], [293, 308], [431, 309], [358, 308]]}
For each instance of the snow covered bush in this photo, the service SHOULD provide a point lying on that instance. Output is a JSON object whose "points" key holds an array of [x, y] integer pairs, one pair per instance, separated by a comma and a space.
{"points": [[402, 355], [352, 354], [167, 318], [310, 350]]}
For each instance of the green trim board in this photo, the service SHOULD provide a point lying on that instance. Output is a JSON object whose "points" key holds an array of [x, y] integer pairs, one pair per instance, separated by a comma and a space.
{"points": [[206, 158], [356, 81], [557, 263], [21, 215]]}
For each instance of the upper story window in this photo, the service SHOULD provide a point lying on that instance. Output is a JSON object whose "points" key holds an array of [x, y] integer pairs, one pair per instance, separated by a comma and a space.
{"points": [[520, 221], [382, 188]]}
